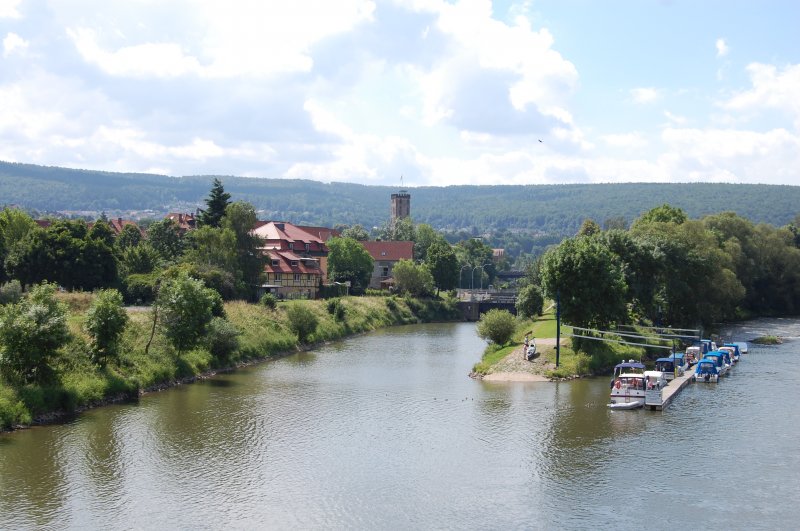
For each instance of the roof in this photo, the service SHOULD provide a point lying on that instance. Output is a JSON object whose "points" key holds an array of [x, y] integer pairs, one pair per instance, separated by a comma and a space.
{"points": [[323, 233], [629, 365], [389, 251], [184, 221], [289, 262], [668, 360]]}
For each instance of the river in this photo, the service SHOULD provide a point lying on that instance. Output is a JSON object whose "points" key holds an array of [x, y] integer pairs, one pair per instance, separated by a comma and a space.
{"points": [[386, 431]]}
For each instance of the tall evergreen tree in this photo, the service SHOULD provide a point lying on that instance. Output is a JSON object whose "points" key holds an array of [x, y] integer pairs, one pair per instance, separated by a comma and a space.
{"points": [[218, 200]]}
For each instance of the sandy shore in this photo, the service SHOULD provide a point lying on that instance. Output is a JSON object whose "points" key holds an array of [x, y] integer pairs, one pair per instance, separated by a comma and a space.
{"points": [[515, 368]]}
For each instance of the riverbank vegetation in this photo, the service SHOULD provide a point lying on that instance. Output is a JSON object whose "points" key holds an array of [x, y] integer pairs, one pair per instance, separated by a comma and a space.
{"points": [[137, 356]]}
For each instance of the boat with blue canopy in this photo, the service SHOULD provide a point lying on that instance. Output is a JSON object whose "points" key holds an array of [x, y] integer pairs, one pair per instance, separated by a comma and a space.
{"points": [[718, 358], [736, 350], [706, 371], [670, 367]]}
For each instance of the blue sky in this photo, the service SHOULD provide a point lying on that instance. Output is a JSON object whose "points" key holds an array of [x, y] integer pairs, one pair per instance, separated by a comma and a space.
{"points": [[441, 92]]}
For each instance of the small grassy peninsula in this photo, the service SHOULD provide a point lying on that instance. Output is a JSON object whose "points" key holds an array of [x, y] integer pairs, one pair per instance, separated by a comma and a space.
{"points": [[153, 352]]}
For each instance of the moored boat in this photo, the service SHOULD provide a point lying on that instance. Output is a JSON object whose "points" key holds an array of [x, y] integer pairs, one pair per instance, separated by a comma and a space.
{"points": [[730, 354], [719, 360], [693, 355], [736, 350], [706, 371], [670, 368], [628, 386], [742, 347]]}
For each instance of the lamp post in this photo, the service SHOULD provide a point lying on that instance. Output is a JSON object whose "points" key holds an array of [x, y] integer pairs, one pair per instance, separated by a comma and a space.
{"points": [[459, 275], [482, 266]]}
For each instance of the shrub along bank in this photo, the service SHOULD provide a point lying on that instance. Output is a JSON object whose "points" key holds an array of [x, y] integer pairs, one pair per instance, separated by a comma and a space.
{"points": [[147, 358]]}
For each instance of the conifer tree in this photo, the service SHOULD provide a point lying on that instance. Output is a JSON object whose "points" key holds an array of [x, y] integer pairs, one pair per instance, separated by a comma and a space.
{"points": [[218, 200]]}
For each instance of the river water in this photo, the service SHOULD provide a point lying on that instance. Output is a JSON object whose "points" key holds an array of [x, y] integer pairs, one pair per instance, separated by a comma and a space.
{"points": [[386, 431]]}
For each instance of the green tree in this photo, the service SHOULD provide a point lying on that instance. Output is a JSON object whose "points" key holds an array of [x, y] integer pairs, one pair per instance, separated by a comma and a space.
{"points": [[589, 228], [130, 236], [349, 261], [530, 301], [497, 326], [165, 237], [218, 200], [14, 226], [302, 320], [663, 214], [101, 231], [185, 307], [412, 278], [442, 263], [105, 322], [210, 246], [240, 218], [31, 332], [139, 259], [590, 282], [355, 232], [425, 236]]}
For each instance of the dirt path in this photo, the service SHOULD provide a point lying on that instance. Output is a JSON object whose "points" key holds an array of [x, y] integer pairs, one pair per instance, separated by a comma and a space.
{"points": [[515, 368]]}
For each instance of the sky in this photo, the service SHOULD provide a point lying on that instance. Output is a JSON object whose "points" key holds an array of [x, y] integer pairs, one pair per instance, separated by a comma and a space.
{"points": [[432, 92]]}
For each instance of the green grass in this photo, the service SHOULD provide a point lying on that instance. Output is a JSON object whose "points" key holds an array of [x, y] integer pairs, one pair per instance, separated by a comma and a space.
{"points": [[767, 340], [264, 333]]}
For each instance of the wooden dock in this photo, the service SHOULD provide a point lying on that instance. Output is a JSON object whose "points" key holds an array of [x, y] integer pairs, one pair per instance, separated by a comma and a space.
{"points": [[660, 399]]}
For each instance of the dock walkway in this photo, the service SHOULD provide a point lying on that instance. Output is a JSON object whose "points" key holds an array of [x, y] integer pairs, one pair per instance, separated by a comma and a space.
{"points": [[660, 399]]}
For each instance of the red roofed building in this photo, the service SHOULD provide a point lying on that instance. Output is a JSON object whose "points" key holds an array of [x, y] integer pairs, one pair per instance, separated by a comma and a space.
{"points": [[185, 222], [297, 262], [118, 224], [386, 255]]}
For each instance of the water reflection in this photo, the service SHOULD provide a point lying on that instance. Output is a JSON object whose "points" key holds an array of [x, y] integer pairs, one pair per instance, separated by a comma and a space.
{"points": [[387, 431]]}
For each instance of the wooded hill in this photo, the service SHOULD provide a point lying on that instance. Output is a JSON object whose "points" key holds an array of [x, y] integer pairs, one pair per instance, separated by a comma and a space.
{"points": [[551, 209]]}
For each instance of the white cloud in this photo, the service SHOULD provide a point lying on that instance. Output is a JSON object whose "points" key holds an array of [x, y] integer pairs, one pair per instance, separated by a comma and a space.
{"points": [[253, 39], [675, 118], [722, 48], [8, 8], [634, 140], [772, 89], [645, 95], [732, 155], [144, 60], [13, 43]]}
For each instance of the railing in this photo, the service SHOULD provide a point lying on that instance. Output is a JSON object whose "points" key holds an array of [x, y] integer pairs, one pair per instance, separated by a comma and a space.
{"points": [[497, 296]]}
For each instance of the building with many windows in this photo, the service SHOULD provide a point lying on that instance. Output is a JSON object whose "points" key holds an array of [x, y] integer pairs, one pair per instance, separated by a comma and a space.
{"points": [[297, 260]]}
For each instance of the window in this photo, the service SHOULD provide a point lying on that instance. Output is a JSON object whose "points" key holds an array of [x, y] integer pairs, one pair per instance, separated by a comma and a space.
{"points": [[297, 277], [308, 246], [275, 263], [294, 263], [385, 272], [383, 253], [278, 277]]}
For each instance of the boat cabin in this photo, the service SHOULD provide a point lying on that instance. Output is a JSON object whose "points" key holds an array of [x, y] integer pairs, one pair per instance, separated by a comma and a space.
{"points": [[693, 355], [666, 366]]}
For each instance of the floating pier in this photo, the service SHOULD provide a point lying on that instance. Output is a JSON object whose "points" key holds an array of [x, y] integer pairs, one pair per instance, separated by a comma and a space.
{"points": [[659, 399]]}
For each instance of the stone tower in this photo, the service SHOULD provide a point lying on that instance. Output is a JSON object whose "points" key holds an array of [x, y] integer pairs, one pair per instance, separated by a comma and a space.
{"points": [[401, 206]]}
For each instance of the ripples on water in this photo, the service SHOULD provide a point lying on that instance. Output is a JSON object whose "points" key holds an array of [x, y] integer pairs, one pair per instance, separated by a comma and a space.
{"points": [[385, 431]]}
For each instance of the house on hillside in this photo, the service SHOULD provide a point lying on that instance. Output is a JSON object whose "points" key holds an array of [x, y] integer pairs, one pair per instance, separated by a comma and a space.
{"points": [[118, 224], [386, 254], [297, 260], [184, 222]]}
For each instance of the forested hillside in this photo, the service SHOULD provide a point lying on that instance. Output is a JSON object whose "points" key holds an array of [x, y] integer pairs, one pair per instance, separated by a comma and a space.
{"points": [[553, 209]]}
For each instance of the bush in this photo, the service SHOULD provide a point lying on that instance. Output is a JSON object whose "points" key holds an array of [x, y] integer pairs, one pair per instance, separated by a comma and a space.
{"points": [[222, 338], [105, 321], [530, 301], [268, 300], [12, 410], [10, 292], [302, 321], [497, 326], [31, 332], [186, 307], [336, 309], [140, 288]]}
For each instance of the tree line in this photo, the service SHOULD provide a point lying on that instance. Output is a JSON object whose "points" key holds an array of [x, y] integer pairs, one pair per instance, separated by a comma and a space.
{"points": [[669, 270]]}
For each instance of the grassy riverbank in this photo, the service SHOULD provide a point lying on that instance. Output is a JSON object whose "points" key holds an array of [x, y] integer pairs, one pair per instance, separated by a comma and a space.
{"points": [[598, 358], [263, 333]]}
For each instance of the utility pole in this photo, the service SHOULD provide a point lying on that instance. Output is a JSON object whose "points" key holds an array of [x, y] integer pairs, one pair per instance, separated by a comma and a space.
{"points": [[558, 327]]}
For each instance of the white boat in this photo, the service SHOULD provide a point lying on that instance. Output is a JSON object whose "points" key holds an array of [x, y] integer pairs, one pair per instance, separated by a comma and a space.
{"points": [[628, 386], [693, 355], [731, 353], [655, 380], [742, 347], [706, 371]]}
